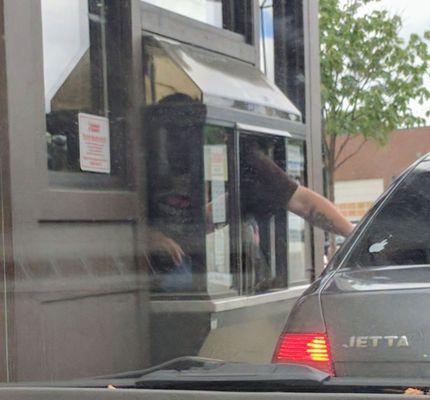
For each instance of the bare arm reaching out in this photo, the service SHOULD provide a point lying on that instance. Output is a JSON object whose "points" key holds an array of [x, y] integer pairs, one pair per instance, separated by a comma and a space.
{"points": [[319, 211], [316, 209]]}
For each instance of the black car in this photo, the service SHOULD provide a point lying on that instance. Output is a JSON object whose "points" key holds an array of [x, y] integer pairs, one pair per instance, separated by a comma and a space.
{"points": [[368, 314]]}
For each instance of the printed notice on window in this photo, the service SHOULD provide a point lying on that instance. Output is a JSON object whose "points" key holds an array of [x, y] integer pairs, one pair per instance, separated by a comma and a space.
{"points": [[218, 202], [215, 162], [94, 143]]}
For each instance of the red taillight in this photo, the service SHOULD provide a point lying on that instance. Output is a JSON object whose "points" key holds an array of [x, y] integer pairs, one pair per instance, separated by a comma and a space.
{"points": [[311, 349]]}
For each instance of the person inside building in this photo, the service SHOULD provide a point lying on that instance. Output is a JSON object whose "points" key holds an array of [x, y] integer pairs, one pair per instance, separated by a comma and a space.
{"points": [[265, 189]]}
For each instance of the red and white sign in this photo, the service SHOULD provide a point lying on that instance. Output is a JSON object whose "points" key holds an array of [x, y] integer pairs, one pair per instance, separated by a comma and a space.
{"points": [[94, 143]]}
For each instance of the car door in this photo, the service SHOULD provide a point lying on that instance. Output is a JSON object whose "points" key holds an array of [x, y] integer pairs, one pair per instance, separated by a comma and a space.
{"points": [[376, 307]]}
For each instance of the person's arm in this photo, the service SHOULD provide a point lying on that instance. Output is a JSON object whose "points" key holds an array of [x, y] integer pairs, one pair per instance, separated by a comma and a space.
{"points": [[319, 211], [316, 209], [158, 241]]}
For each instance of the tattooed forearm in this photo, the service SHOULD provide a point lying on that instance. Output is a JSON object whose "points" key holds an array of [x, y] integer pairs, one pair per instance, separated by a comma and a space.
{"points": [[320, 220], [318, 211]]}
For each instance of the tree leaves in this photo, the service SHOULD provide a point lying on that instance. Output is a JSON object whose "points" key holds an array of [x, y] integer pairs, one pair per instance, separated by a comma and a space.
{"points": [[369, 74]]}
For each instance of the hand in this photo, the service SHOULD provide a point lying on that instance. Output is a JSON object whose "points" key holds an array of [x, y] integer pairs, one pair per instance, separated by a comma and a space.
{"points": [[159, 241]]}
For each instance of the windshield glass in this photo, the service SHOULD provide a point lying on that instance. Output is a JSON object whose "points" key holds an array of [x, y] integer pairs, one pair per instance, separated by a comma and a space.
{"points": [[176, 176]]}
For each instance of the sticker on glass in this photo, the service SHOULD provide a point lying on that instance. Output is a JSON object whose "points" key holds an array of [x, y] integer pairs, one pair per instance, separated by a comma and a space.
{"points": [[378, 246], [94, 143]]}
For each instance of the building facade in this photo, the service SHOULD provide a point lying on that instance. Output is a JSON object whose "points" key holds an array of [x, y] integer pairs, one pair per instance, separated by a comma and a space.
{"points": [[123, 125], [363, 178]]}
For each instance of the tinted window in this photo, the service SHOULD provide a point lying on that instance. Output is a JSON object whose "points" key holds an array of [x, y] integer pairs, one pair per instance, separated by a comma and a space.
{"points": [[399, 233]]}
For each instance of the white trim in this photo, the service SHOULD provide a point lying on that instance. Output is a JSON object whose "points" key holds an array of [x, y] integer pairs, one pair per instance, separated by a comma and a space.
{"points": [[226, 304], [261, 129]]}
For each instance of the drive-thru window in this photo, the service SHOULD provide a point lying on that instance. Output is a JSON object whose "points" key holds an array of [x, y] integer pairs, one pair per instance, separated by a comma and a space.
{"points": [[197, 161]]}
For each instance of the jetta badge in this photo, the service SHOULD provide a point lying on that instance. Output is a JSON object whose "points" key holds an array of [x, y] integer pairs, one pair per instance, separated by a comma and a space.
{"points": [[363, 342]]}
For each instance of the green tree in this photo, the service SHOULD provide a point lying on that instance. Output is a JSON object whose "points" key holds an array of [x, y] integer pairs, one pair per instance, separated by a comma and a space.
{"points": [[369, 76]]}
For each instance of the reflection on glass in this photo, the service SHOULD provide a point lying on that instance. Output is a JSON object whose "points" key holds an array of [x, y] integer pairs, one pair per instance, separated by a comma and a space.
{"points": [[267, 48], [74, 56], [188, 198], [298, 242], [188, 178], [281, 47], [190, 210], [219, 276], [207, 11], [263, 209], [175, 189], [162, 76]]}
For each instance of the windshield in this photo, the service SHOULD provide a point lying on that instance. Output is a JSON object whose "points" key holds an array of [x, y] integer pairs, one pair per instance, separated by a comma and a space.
{"points": [[176, 177]]}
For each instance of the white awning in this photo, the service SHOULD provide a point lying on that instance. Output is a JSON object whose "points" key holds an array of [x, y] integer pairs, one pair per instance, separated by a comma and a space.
{"points": [[228, 82]]}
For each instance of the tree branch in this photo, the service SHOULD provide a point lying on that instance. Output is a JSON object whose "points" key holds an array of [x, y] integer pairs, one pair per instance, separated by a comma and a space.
{"points": [[351, 155], [342, 147], [332, 145], [326, 151]]}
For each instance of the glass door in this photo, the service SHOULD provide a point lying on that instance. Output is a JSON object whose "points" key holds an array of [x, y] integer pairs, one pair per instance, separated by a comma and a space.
{"points": [[262, 165], [221, 218], [191, 198], [299, 251]]}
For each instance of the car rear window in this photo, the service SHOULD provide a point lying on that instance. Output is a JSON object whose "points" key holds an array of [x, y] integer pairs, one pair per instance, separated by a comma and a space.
{"points": [[398, 233]]}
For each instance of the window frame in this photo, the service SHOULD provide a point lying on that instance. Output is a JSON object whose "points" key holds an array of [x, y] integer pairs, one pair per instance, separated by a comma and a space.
{"points": [[294, 132], [115, 70], [307, 230], [156, 20], [64, 196], [277, 225]]}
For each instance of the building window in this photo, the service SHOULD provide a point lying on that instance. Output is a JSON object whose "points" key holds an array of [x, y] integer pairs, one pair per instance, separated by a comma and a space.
{"points": [[190, 186], [207, 11], [84, 133], [263, 212], [238, 16], [221, 271], [212, 190], [267, 50], [232, 15], [282, 47]]}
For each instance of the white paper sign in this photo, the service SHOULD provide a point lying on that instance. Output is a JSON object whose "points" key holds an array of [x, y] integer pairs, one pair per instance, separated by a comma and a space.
{"points": [[215, 162], [295, 160], [218, 202], [94, 143], [218, 259], [219, 250]]}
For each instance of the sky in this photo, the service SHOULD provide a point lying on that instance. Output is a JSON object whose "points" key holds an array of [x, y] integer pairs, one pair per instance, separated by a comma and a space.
{"points": [[415, 14], [416, 19]]}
